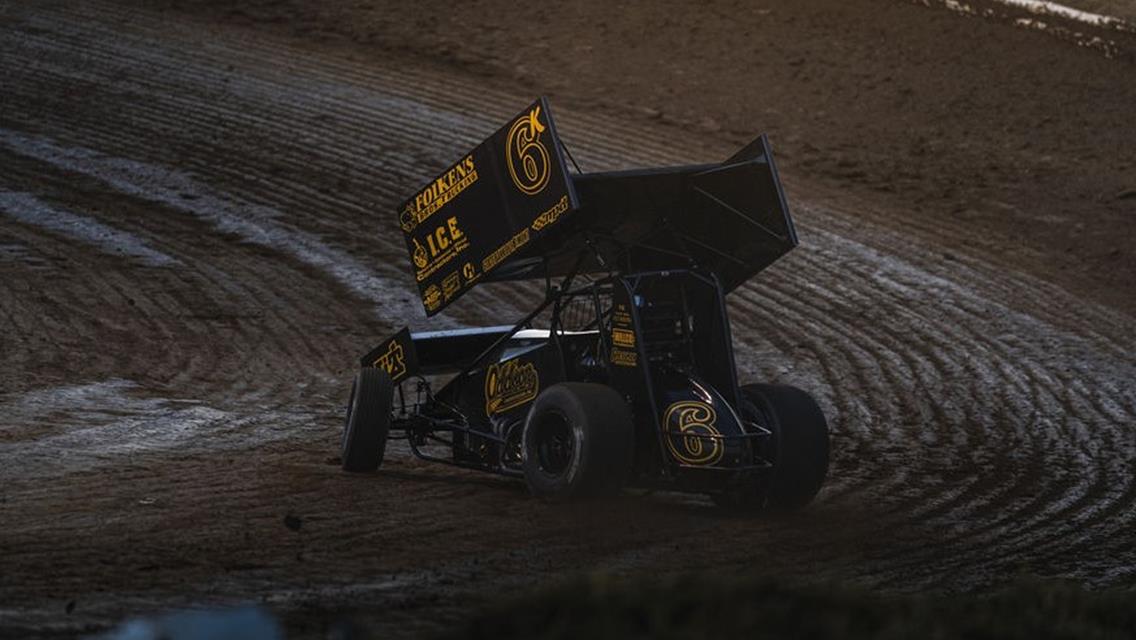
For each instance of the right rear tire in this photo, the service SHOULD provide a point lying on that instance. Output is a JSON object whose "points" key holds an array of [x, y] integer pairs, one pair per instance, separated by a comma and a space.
{"points": [[368, 420], [578, 442], [798, 450]]}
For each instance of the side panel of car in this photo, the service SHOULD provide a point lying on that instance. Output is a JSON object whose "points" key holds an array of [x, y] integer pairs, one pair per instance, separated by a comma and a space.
{"points": [[496, 396], [670, 343], [700, 428]]}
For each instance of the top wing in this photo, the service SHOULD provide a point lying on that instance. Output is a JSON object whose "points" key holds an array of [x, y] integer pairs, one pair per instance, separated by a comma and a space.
{"points": [[729, 218], [509, 210]]}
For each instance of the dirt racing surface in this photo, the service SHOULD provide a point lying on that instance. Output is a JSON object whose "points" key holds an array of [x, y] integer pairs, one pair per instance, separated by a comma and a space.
{"points": [[197, 241]]}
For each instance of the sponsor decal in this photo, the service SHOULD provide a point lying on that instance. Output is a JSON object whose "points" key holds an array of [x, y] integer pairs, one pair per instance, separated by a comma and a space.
{"points": [[432, 297], [525, 154], [443, 189], [689, 427], [624, 358], [469, 272], [550, 216], [620, 316], [505, 250], [441, 246], [509, 385], [623, 351], [395, 355], [421, 258], [393, 361], [623, 338], [451, 285]]}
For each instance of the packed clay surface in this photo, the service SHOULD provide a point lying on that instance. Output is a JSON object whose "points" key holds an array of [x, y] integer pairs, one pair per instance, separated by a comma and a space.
{"points": [[198, 240]]}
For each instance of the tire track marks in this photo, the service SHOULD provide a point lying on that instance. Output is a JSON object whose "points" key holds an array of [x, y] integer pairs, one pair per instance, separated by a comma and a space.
{"points": [[983, 408]]}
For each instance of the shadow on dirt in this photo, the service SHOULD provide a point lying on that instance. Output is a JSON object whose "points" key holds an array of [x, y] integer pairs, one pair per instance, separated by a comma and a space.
{"points": [[699, 606]]}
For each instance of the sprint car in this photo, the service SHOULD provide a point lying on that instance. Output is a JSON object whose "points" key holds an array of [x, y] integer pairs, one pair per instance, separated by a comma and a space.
{"points": [[621, 373]]}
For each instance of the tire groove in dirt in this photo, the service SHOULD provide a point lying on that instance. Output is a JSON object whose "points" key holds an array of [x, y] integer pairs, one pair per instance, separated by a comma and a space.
{"points": [[180, 317], [783, 304]]}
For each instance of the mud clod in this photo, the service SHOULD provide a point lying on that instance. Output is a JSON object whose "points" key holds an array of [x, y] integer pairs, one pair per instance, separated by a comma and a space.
{"points": [[293, 522]]}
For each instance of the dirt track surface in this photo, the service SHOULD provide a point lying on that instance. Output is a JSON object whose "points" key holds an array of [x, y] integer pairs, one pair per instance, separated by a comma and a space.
{"points": [[196, 242]]}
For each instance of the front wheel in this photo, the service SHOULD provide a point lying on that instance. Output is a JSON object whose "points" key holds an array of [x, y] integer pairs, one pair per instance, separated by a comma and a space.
{"points": [[798, 449], [578, 441], [368, 420]]}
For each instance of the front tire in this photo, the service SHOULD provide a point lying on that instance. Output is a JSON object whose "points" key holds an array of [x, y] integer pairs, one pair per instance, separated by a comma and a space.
{"points": [[368, 420], [578, 442], [798, 449]]}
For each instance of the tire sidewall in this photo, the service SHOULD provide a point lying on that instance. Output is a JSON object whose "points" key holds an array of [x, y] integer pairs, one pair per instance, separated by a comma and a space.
{"points": [[368, 421], [602, 432], [555, 400], [799, 446]]}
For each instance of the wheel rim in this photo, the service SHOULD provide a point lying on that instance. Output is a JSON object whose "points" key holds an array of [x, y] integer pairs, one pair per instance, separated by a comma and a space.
{"points": [[555, 444]]}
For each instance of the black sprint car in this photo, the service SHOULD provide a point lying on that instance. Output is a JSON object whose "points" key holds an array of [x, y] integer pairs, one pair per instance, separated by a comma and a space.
{"points": [[623, 373]]}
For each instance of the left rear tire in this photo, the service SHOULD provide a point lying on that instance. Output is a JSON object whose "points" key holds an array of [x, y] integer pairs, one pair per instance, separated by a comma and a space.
{"points": [[578, 442]]}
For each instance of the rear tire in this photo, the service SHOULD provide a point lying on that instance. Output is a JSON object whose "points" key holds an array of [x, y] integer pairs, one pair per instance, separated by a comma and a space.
{"points": [[368, 420], [579, 441], [798, 449]]}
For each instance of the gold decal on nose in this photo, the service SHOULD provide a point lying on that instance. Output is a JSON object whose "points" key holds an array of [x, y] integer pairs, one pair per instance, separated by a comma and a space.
{"points": [[691, 435]]}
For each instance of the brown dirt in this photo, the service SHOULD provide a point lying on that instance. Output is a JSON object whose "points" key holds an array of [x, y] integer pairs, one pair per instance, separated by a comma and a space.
{"points": [[961, 304], [1025, 144]]}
